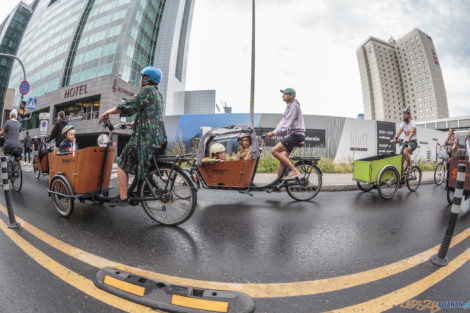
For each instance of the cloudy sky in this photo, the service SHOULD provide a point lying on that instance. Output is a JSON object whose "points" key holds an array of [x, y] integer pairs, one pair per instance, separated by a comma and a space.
{"points": [[310, 45]]}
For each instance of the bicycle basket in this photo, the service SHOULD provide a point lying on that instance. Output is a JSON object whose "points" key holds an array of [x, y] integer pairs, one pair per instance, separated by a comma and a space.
{"points": [[442, 153]]}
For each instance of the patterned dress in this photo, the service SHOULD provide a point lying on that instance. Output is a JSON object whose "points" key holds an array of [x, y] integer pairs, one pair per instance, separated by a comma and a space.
{"points": [[148, 136]]}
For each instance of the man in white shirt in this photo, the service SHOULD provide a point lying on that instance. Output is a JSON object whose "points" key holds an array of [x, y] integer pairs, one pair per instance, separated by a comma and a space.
{"points": [[410, 142]]}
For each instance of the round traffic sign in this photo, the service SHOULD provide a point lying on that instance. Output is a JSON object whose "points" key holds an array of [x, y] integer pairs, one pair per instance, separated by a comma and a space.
{"points": [[43, 124], [24, 87]]}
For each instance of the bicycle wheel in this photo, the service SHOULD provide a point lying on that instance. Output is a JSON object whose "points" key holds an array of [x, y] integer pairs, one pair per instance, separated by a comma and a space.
{"points": [[387, 182], [16, 177], [176, 202], [366, 187], [62, 203], [37, 172], [439, 173], [413, 179], [310, 182], [450, 195]]}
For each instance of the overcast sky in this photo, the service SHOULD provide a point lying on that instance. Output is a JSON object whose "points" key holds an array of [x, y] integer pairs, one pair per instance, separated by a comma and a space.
{"points": [[310, 45]]}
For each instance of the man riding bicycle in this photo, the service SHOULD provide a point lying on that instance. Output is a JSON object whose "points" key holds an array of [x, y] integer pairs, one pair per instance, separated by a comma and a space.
{"points": [[292, 122], [11, 131], [410, 142]]}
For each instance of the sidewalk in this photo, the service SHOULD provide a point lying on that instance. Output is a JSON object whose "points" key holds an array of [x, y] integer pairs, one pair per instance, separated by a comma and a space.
{"points": [[337, 182], [330, 182]]}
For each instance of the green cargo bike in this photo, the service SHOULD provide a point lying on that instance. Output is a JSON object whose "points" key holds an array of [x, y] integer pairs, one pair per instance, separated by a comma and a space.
{"points": [[385, 172]]}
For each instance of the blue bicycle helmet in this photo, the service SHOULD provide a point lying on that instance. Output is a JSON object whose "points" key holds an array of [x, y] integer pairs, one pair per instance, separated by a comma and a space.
{"points": [[153, 74], [66, 129]]}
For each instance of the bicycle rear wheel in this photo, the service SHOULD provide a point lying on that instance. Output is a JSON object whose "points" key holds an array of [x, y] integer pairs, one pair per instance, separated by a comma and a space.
{"points": [[310, 182], [387, 183], [439, 173], [176, 202], [414, 178], [16, 177]]}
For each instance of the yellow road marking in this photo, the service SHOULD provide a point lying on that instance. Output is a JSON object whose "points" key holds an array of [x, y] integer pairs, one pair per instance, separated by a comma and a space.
{"points": [[75, 280], [397, 297], [199, 304], [124, 285], [269, 290]]}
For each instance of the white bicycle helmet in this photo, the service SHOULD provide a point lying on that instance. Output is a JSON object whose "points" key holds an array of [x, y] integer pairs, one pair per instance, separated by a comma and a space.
{"points": [[216, 147]]}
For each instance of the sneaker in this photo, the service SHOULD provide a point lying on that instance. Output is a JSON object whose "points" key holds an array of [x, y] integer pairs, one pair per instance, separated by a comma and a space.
{"points": [[117, 202], [291, 175]]}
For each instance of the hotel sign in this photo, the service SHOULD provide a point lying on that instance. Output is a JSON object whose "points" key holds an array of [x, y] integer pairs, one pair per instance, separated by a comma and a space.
{"points": [[75, 91]]}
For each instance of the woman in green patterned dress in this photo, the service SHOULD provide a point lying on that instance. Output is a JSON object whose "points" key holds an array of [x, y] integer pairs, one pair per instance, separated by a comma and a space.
{"points": [[148, 136]]}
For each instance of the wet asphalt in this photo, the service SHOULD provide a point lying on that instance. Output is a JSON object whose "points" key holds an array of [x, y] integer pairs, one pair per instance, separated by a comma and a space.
{"points": [[232, 237]]}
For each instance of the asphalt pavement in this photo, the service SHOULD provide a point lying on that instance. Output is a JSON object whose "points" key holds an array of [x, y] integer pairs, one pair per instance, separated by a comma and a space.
{"points": [[344, 250]]}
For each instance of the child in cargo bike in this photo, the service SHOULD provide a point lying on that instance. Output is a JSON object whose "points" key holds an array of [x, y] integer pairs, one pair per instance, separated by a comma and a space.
{"points": [[217, 154], [68, 144]]}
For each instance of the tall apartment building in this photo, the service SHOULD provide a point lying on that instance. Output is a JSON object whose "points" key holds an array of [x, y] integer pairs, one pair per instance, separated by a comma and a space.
{"points": [[402, 73]]}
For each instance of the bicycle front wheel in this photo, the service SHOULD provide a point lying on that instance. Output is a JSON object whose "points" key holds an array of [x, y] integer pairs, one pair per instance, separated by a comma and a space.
{"points": [[310, 182], [16, 179], [439, 173], [176, 195]]}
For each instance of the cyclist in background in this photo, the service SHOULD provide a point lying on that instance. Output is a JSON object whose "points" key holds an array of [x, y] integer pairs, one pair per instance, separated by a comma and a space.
{"points": [[410, 142], [453, 142], [11, 131]]}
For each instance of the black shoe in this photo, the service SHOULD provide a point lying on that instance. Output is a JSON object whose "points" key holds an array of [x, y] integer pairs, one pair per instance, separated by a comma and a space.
{"points": [[117, 202]]}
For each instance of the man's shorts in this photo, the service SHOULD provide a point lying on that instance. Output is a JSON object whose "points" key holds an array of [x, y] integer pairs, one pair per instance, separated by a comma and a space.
{"points": [[292, 141], [413, 145]]}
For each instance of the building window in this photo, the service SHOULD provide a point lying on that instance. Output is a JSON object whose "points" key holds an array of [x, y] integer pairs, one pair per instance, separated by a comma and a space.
{"points": [[80, 110]]}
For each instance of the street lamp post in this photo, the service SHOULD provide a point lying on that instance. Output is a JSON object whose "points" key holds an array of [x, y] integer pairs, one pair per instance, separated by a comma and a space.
{"points": [[19, 61], [252, 94]]}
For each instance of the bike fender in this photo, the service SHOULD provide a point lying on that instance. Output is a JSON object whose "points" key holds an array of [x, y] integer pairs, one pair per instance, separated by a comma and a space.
{"points": [[313, 164], [185, 173]]}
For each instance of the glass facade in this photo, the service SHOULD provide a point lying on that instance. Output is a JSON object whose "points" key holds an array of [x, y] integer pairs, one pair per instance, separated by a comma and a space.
{"points": [[45, 45], [11, 32], [71, 41], [182, 41], [142, 42]]}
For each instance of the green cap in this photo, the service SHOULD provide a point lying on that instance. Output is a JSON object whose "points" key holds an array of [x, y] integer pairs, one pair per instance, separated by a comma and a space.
{"points": [[289, 90]]}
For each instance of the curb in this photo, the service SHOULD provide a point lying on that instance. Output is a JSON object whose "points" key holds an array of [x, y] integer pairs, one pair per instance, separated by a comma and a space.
{"points": [[350, 187]]}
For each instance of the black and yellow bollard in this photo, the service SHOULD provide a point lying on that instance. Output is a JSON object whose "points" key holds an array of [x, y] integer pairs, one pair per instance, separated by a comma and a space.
{"points": [[6, 191], [440, 259]]}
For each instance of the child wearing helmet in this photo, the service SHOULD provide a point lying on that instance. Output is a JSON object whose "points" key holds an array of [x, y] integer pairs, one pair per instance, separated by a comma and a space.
{"points": [[68, 143], [245, 150], [217, 154]]}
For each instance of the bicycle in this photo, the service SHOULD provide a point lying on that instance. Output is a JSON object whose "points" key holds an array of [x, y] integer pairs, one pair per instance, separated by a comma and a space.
{"points": [[385, 172], [15, 173], [167, 194], [239, 174], [440, 172]]}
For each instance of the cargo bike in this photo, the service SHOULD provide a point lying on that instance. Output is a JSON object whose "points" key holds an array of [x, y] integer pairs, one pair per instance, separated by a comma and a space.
{"points": [[238, 175], [451, 181], [385, 173], [167, 194]]}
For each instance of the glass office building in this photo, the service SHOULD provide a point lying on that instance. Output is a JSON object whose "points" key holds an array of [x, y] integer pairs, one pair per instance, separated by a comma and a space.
{"points": [[11, 31], [83, 56]]}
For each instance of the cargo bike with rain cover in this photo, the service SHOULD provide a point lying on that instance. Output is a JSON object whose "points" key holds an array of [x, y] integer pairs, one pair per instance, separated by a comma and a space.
{"points": [[167, 194], [385, 172], [238, 174]]}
